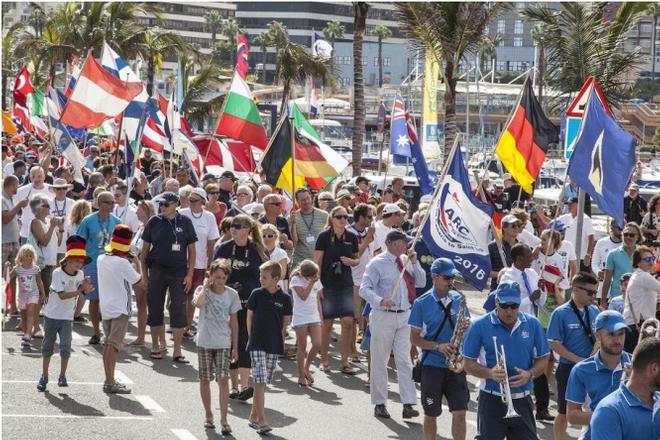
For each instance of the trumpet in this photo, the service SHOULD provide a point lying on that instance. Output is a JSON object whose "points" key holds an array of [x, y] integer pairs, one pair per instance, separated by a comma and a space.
{"points": [[505, 388], [649, 329]]}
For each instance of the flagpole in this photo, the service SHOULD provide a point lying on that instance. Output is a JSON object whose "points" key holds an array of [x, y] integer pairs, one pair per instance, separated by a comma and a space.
{"points": [[293, 158], [498, 239], [434, 197]]}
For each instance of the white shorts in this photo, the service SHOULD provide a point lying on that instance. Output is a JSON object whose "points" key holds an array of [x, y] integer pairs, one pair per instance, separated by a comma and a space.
{"points": [[26, 298]]}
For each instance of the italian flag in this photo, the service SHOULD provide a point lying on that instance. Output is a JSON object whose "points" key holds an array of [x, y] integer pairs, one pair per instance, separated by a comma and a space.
{"points": [[240, 116]]}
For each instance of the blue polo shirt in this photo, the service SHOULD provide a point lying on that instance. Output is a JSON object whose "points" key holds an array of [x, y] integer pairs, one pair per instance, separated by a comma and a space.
{"points": [[162, 233], [97, 234], [618, 262], [590, 381], [621, 415], [565, 327], [523, 344], [427, 314]]}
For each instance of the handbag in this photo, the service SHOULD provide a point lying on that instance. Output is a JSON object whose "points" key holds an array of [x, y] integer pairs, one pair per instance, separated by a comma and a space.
{"points": [[419, 364]]}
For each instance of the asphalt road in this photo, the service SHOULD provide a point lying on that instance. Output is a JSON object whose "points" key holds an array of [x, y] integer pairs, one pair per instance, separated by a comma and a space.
{"points": [[165, 401]]}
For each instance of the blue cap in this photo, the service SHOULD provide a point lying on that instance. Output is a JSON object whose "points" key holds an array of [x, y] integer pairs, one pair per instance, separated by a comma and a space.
{"points": [[444, 267], [559, 226], [610, 320], [508, 292]]}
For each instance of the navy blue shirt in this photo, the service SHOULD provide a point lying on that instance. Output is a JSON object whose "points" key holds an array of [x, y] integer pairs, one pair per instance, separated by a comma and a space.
{"points": [[565, 327], [496, 260], [269, 310], [427, 314], [523, 344], [162, 234]]}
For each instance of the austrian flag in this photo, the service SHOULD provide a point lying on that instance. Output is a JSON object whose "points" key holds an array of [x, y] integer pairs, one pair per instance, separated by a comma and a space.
{"points": [[98, 96]]}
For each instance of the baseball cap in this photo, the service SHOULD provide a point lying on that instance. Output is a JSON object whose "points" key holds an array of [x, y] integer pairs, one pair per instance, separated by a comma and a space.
{"points": [[209, 176], [499, 183], [444, 267], [341, 194], [392, 208], [610, 320], [559, 226], [397, 235], [510, 219], [634, 186], [228, 175], [200, 192], [168, 197], [361, 179], [508, 292], [351, 188], [572, 200], [506, 176]]}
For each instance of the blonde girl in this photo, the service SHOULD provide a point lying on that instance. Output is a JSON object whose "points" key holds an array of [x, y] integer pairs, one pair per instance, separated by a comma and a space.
{"points": [[305, 288], [30, 290]]}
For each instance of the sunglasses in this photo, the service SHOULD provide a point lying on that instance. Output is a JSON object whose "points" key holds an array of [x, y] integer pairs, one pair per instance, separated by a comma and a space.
{"points": [[237, 226], [512, 306], [60, 189], [45, 206], [630, 235], [340, 217], [649, 259], [268, 236], [589, 291], [275, 203], [242, 194], [194, 200], [325, 200], [447, 278], [213, 193]]}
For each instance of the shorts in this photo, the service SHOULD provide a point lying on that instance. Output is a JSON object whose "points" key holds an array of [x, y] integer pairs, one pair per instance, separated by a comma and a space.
{"points": [[25, 298], [358, 302], [561, 375], [263, 366], [440, 382], [197, 279], [160, 281], [93, 275], [213, 363], [337, 303], [307, 324], [115, 330], [52, 328]]}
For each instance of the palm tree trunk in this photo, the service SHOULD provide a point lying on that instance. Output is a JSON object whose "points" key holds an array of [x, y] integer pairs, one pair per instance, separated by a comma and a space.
{"points": [[151, 73], [450, 108], [541, 72], [380, 62], [264, 54], [286, 89], [5, 93], [359, 26]]}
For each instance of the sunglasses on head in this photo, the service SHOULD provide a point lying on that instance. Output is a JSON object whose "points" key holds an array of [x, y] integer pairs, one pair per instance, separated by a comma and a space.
{"points": [[268, 236], [649, 259], [512, 306], [340, 217], [589, 291]]}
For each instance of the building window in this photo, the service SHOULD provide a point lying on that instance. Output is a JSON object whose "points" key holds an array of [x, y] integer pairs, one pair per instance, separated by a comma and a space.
{"points": [[500, 42], [502, 66], [501, 26], [375, 61], [517, 41], [345, 81], [518, 27], [387, 61]]}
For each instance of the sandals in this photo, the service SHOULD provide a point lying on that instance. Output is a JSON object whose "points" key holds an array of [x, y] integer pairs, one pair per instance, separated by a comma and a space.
{"points": [[156, 355], [263, 430], [348, 370], [310, 379], [226, 429], [252, 424], [356, 360], [208, 424], [180, 359], [325, 368]]}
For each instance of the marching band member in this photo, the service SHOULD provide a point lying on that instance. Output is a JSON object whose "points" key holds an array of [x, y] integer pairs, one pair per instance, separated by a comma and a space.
{"points": [[436, 314], [571, 336], [631, 412], [519, 337], [596, 377]]}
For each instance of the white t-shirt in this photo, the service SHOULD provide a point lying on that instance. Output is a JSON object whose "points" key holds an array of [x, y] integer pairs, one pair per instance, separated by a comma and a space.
{"points": [[358, 271], [116, 278], [529, 228], [50, 250], [380, 234], [207, 230], [278, 254], [599, 258], [567, 253], [8, 169], [62, 209], [571, 231], [553, 260], [529, 238], [642, 294], [307, 311], [128, 216], [27, 192], [56, 308]]}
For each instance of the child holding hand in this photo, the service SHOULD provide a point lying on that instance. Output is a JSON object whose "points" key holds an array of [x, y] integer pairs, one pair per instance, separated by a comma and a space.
{"points": [[30, 290]]}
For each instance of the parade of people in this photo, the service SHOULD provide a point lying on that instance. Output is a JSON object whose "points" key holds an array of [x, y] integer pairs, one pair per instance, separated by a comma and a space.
{"points": [[447, 244]]}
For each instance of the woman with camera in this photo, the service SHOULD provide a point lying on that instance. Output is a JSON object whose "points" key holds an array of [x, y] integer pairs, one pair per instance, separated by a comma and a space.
{"points": [[336, 252], [246, 252]]}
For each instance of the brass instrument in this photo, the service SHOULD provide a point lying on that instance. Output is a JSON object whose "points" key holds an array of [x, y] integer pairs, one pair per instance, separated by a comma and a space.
{"points": [[649, 329], [505, 388], [455, 361]]}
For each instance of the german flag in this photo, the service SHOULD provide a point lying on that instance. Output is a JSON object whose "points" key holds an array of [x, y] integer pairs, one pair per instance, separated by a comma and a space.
{"points": [[526, 139], [315, 162]]}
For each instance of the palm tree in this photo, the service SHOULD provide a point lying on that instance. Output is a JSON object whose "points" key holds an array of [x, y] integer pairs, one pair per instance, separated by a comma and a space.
{"points": [[278, 37], [261, 40], [448, 31], [153, 44], [194, 88], [9, 62], [487, 49], [213, 24], [229, 30], [295, 64], [333, 31], [580, 42], [382, 33], [360, 10]]}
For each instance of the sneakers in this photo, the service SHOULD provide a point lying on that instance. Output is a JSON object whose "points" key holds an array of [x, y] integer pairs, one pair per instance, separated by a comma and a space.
{"points": [[246, 394], [409, 412], [95, 340], [61, 381], [544, 416], [116, 388], [43, 381], [381, 411]]}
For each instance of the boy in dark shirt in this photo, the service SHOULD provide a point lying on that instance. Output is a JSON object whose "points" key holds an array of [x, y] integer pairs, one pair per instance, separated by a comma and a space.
{"points": [[269, 313]]}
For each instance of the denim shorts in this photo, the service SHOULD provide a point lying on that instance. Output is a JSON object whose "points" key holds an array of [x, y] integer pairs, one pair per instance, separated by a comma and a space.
{"points": [[52, 328], [337, 303]]}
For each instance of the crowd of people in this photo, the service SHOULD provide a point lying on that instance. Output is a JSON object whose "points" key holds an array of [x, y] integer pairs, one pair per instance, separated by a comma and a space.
{"points": [[238, 264]]}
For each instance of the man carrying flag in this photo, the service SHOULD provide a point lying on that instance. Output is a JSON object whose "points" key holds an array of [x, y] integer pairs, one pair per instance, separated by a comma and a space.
{"points": [[526, 139]]}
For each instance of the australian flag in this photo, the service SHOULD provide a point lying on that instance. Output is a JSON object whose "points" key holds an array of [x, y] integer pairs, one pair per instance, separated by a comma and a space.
{"points": [[405, 144], [457, 226], [603, 160]]}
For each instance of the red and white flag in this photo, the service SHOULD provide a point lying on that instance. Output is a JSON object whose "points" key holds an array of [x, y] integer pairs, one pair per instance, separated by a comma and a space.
{"points": [[227, 154], [154, 136], [98, 96], [22, 88]]}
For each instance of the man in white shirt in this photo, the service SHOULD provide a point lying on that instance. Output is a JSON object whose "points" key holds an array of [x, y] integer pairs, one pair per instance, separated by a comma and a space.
{"points": [[61, 206], [587, 240], [37, 177], [602, 249], [393, 216], [525, 236], [532, 297]]}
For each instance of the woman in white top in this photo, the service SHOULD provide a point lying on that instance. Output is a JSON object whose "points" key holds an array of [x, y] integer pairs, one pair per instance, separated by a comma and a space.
{"points": [[79, 210], [44, 235], [642, 294], [270, 235], [305, 288], [145, 210]]}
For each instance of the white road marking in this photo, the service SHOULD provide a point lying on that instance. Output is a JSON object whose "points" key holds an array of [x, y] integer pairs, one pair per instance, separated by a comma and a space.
{"points": [[70, 383], [77, 336], [183, 434], [33, 354], [71, 416], [121, 377], [148, 403]]}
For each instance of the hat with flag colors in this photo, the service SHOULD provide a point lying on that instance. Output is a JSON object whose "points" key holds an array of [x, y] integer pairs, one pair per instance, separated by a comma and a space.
{"points": [[76, 248], [120, 243]]}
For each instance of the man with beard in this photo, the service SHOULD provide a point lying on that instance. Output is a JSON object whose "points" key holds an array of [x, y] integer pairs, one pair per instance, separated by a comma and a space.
{"points": [[594, 378], [628, 413]]}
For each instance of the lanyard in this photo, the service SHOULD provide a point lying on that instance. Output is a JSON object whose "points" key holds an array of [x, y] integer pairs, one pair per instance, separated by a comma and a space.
{"points": [[310, 224], [59, 212], [176, 240], [587, 326]]}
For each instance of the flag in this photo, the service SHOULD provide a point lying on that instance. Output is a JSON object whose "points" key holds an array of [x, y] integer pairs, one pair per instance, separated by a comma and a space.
{"points": [[458, 224], [67, 148], [240, 117], [313, 99], [603, 159], [8, 125], [154, 136], [98, 96], [426, 181], [399, 140], [321, 48], [242, 53], [72, 74], [526, 139], [22, 89], [228, 154], [188, 166], [36, 103], [315, 162]]}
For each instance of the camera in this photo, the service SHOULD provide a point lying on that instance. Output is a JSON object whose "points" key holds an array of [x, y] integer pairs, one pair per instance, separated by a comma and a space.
{"points": [[336, 267]]}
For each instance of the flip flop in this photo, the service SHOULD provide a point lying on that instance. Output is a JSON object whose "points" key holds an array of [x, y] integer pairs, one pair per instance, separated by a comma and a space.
{"points": [[208, 424], [156, 355], [263, 430], [348, 371], [325, 368], [226, 429], [181, 359]]}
